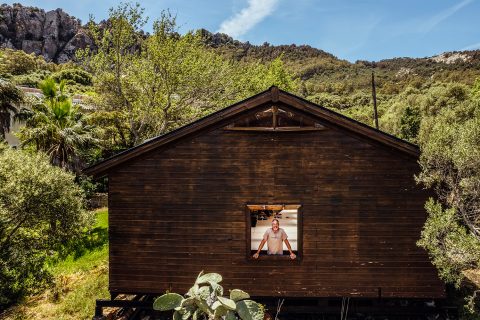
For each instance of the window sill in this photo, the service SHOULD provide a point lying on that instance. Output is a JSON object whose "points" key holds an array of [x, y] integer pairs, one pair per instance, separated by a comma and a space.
{"points": [[265, 258]]}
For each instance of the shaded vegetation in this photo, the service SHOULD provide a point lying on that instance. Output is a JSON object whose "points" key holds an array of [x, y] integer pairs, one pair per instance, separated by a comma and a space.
{"points": [[10, 100], [77, 280], [41, 210]]}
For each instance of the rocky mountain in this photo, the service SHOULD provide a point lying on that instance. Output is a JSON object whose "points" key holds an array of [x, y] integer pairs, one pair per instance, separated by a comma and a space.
{"points": [[56, 36], [53, 34], [315, 64]]}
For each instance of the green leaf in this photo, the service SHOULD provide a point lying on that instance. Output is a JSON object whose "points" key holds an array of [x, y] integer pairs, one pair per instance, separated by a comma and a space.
{"points": [[196, 314], [204, 292], [193, 291], [230, 315], [177, 316], [218, 289], [227, 303], [249, 310], [209, 277], [220, 312], [216, 304], [168, 301], [187, 314], [187, 302], [204, 307], [237, 295]]}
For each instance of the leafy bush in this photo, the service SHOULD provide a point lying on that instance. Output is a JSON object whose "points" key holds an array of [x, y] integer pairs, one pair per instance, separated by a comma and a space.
{"points": [[41, 210], [450, 245], [75, 75], [450, 142], [476, 88], [205, 299], [17, 62], [450, 162], [31, 80], [410, 123]]}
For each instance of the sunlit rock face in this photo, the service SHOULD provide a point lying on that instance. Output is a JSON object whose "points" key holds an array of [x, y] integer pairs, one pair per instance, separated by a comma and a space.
{"points": [[54, 34]]}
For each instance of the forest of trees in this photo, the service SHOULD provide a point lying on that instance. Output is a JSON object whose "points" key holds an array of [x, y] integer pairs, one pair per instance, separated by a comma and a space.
{"points": [[136, 86]]}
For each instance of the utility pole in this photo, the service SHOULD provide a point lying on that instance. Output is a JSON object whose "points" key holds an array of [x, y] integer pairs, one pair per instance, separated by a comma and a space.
{"points": [[374, 95]]}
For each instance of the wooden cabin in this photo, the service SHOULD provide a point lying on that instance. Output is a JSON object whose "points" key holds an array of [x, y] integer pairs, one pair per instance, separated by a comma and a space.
{"points": [[189, 201]]}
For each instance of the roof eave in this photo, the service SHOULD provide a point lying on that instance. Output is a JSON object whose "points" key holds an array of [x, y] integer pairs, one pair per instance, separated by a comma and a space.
{"points": [[349, 124], [271, 95], [100, 169]]}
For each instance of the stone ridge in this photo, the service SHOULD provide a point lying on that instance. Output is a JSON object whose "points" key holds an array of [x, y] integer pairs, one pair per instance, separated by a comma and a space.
{"points": [[56, 36], [53, 34]]}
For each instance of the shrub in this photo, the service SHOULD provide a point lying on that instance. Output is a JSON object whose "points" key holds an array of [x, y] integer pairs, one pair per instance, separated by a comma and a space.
{"points": [[410, 123], [41, 210], [76, 75], [31, 80], [17, 62]]}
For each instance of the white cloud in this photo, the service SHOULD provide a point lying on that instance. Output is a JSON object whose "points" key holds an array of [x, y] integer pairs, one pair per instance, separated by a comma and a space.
{"points": [[471, 47], [438, 18], [248, 17]]}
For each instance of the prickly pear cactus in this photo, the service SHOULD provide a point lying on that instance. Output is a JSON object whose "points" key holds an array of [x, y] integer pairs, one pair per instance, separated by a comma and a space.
{"points": [[227, 303], [209, 277], [237, 295], [168, 301], [205, 300], [230, 316], [249, 310]]}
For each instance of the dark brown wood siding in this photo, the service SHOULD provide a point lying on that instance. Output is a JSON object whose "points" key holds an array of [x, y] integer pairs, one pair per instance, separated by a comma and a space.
{"points": [[180, 210]]}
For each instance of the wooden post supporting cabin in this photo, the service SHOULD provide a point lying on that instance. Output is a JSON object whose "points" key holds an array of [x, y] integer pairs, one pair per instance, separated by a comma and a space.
{"points": [[374, 95]]}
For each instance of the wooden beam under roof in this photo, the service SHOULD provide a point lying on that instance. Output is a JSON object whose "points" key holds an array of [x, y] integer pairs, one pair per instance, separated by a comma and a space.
{"points": [[271, 95]]}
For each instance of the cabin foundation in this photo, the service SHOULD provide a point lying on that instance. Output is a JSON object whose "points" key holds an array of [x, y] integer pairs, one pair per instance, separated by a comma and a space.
{"points": [[344, 308]]}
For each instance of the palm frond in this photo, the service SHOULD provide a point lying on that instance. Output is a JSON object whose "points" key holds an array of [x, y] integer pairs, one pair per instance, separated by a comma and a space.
{"points": [[49, 88], [58, 128]]}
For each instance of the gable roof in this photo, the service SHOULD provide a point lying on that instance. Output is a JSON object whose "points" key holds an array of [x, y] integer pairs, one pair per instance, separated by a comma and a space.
{"points": [[271, 95]]}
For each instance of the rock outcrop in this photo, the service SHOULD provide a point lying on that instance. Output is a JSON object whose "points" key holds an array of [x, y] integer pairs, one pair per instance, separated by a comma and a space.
{"points": [[452, 57], [54, 34]]}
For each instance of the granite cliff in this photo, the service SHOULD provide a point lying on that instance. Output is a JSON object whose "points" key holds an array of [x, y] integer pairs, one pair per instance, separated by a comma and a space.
{"points": [[53, 34], [56, 36]]}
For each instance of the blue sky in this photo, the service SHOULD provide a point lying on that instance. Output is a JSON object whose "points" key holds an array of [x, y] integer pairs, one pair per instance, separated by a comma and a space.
{"points": [[352, 30]]}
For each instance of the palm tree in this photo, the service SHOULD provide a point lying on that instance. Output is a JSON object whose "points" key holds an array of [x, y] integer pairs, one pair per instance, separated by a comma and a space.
{"points": [[10, 99], [58, 128]]}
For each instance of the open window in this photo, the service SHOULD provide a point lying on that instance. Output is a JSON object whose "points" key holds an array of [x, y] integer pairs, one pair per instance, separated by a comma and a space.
{"points": [[261, 221]]}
